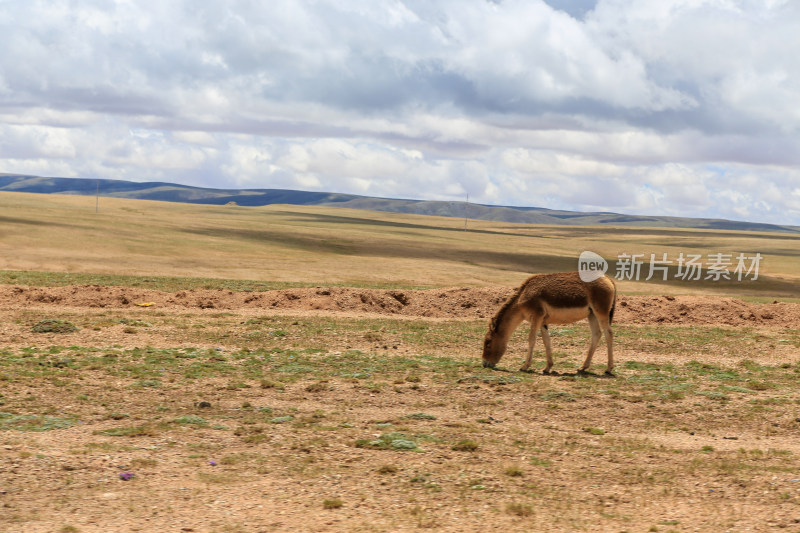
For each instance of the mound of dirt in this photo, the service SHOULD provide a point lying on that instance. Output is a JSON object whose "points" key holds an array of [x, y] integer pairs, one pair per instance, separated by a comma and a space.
{"points": [[449, 303], [704, 310]]}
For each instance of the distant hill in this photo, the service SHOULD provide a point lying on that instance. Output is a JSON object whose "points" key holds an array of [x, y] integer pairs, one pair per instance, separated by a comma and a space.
{"points": [[171, 192]]}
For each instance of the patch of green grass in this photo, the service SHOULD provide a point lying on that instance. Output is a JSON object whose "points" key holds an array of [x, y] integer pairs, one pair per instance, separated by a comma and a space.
{"points": [[539, 461], [514, 471], [147, 383], [127, 431], [491, 379], [239, 458], [420, 416], [52, 325], [295, 368], [713, 395], [465, 446], [135, 323], [334, 503], [389, 441], [558, 396], [269, 384], [191, 420], [9, 421], [760, 386], [725, 375], [637, 365], [735, 388]]}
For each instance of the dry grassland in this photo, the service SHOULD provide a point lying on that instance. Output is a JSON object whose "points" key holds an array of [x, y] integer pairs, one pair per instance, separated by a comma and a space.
{"points": [[230, 414], [322, 246]]}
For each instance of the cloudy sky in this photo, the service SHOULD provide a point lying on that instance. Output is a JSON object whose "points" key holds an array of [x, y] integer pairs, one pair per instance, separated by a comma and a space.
{"points": [[669, 107]]}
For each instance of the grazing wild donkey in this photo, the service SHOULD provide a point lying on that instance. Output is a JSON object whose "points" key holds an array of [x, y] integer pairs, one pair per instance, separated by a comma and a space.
{"points": [[545, 299]]}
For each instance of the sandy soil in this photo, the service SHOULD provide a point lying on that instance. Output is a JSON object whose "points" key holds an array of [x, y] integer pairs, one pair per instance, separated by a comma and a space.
{"points": [[638, 475]]}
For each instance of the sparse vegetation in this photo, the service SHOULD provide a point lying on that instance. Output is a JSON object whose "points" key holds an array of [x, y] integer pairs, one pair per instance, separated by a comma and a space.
{"points": [[594, 431], [421, 416], [52, 325], [465, 446], [251, 418], [519, 509], [333, 503], [514, 471], [389, 441], [9, 421], [302, 402]]}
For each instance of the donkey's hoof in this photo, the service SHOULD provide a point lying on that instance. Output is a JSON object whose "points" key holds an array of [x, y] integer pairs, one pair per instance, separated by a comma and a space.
{"points": [[610, 374], [582, 371], [526, 370]]}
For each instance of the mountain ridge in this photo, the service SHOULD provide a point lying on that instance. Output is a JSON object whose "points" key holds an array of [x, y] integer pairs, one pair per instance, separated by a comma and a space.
{"points": [[172, 192]]}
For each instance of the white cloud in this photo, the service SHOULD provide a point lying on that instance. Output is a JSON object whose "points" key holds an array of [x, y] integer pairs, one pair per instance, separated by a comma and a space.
{"points": [[681, 185], [682, 107], [201, 138]]}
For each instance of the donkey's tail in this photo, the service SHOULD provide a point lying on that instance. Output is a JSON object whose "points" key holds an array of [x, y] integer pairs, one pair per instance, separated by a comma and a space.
{"points": [[613, 305]]}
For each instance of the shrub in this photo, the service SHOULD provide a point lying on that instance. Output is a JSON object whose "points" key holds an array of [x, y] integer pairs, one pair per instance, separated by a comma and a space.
{"points": [[334, 503], [465, 446]]}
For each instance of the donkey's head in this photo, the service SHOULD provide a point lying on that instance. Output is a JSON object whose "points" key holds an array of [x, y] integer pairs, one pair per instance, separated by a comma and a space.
{"points": [[493, 346], [500, 328]]}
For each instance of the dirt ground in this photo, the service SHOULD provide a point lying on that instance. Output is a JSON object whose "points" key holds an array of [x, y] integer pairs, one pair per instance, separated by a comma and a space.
{"points": [[452, 303], [502, 451]]}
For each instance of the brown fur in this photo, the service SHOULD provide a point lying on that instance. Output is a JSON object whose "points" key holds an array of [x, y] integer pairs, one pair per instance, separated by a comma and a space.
{"points": [[560, 298]]}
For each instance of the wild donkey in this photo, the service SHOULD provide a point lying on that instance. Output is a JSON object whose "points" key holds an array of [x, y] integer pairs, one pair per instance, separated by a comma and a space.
{"points": [[545, 299]]}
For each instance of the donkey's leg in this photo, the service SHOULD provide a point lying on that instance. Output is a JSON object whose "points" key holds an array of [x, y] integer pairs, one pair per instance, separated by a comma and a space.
{"points": [[605, 324], [536, 323], [594, 325], [547, 349]]}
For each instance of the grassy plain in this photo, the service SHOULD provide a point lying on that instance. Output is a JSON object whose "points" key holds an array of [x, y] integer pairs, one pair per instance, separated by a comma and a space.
{"points": [[188, 243], [248, 419]]}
